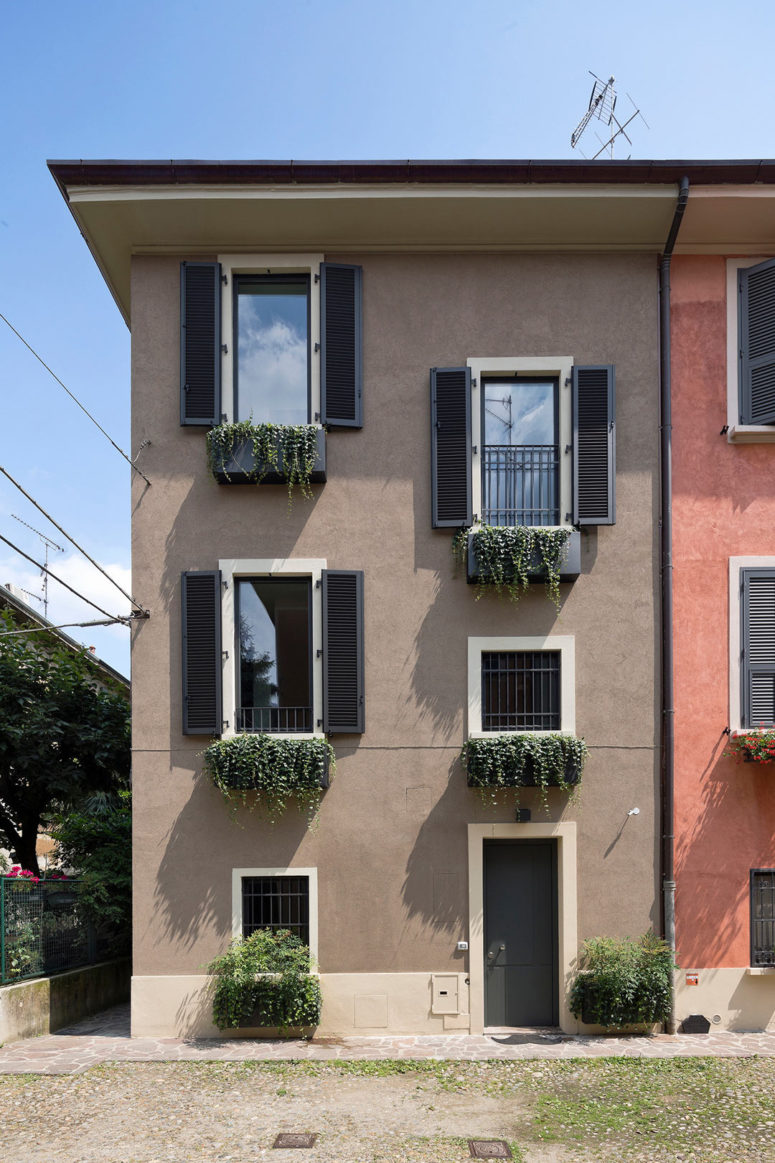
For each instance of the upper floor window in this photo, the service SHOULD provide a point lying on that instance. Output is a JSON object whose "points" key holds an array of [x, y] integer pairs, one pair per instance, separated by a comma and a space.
{"points": [[763, 916], [274, 629], [520, 451], [271, 336], [751, 350]]}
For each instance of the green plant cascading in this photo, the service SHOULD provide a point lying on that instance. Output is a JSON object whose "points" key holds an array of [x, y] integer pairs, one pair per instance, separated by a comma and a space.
{"points": [[290, 449], [623, 982], [275, 768], [522, 759], [264, 980], [506, 555]]}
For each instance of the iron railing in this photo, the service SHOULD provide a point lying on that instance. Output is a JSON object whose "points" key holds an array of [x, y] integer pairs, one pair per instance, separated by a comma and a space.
{"points": [[275, 720], [520, 484], [44, 929]]}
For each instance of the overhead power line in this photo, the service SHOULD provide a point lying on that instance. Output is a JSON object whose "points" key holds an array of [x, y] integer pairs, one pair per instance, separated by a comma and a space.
{"points": [[71, 540], [73, 397], [37, 564]]}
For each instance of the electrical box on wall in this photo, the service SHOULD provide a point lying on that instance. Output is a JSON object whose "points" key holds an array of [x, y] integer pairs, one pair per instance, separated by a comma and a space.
{"points": [[444, 993]]}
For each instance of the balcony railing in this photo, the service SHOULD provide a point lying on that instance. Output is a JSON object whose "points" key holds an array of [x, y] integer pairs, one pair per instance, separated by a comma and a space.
{"points": [[520, 484], [274, 720]]}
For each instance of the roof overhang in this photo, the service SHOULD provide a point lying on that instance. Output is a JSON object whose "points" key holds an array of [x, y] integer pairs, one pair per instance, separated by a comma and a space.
{"points": [[204, 208]]}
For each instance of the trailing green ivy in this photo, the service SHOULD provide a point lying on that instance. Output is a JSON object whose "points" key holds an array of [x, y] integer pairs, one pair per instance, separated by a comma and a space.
{"points": [[522, 760], [289, 449], [623, 982], [264, 980], [506, 555], [275, 768]]}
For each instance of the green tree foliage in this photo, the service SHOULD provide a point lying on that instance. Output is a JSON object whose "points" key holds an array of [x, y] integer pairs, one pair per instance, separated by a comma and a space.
{"points": [[95, 841], [62, 735]]}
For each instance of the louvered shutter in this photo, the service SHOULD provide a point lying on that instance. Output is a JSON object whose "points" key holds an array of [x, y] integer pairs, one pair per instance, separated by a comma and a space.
{"points": [[343, 709], [341, 345], [200, 343], [758, 652], [202, 673], [451, 447], [594, 446], [757, 343]]}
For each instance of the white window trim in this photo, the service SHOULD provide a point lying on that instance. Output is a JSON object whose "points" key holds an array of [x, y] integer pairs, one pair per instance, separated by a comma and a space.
{"points": [[261, 264], [736, 565], [738, 433], [232, 568], [236, 898], [565, 643], [560, 366]]}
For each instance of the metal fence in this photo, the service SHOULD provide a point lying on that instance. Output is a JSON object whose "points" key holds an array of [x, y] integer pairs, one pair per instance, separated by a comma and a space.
{"points": [[44, 929], [520, 484]]}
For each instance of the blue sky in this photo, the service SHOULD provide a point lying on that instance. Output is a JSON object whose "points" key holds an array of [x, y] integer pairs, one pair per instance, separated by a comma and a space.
{"points": [[291, 79]]}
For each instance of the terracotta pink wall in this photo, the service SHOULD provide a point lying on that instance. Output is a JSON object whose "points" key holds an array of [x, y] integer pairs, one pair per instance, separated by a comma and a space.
{"points": [[723, 506]]}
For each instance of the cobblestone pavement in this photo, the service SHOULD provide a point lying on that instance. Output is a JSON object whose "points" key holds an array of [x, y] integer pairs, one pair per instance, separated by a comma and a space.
{"points": [[105, 1038]]}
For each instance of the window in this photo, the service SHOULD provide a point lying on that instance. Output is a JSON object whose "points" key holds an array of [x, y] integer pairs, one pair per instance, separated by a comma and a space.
{"points": [[521, 684], [276, 898], [274, 638], [763, 916], [523, 441], [521, 690], [273, 338], [520, 451], [750, 350], [293, 656], [752, 642]]}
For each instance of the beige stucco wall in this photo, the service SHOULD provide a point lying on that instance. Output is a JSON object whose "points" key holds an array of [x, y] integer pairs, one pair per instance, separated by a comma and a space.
{"points": [[391, 848]]}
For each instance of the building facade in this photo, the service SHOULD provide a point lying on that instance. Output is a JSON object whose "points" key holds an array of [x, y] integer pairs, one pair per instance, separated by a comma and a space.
{"points": [[477, 344]]}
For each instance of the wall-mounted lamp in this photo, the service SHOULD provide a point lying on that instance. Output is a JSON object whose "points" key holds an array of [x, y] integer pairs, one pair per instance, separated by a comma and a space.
{"points": [[634, 812]]}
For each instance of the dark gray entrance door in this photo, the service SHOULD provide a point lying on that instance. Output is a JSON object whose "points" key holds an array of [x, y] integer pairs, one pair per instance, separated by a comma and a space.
{"points": [[520, 933]]}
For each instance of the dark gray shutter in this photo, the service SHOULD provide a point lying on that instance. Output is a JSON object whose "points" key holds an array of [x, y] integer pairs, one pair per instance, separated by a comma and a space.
{"points": [[757, 343], [200, 343], [202, 662], [758, 648], [451, 447], [341, 345], [594, 446], [343, 709]]}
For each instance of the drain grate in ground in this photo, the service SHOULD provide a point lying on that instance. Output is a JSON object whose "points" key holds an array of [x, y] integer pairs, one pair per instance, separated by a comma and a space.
{"points": [[294, 1139], [489, 1149]]}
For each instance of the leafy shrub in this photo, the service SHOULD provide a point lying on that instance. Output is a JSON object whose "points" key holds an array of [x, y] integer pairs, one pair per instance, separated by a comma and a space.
{"points": [[264, 980], [623, 982], [523, 759], [276, 768]]}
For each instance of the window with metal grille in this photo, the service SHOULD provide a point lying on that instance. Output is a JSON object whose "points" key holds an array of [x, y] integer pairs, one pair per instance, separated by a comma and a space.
{"points": [[763, 916], [521, 690], [276, 902]]}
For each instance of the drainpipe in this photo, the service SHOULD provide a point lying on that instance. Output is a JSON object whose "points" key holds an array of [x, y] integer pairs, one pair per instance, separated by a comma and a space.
{"points": [[667, 773]]}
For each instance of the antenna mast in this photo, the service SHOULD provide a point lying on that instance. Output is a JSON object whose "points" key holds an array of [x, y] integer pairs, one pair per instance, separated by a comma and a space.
{"points": [[47, 544], [602, 103]]}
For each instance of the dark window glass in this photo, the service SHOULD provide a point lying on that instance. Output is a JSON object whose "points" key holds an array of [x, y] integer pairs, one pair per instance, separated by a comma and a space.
{"points": [[276, 902], [275, 684], [763, 916], [520, 452], [521, 690], [272, 339]]}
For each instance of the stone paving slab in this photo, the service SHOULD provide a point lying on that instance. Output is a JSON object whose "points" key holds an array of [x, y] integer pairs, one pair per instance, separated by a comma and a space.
{"points": [[105, 1038]]}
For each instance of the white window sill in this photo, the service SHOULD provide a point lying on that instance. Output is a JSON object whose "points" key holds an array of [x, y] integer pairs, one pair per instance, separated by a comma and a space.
{"points": [[751, 434], [760, 971]]}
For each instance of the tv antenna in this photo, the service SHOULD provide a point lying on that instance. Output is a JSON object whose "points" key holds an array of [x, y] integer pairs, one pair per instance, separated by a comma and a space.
{"points": [[602, 103], [47, 544]]}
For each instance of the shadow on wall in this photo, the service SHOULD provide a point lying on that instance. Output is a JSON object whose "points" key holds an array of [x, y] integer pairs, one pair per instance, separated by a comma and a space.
{"points": [[711, 893]]}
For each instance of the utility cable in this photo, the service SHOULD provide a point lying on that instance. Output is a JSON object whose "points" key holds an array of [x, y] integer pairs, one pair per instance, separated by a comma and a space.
{"points": [[88, 601], [74, 398], [72, 540], [65, 626]]}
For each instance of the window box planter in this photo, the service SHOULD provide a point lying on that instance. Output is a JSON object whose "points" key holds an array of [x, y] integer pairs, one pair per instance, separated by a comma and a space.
{"points": [[239, 465], [570, 567], [523, 759], [275, 768], [754, 746]]}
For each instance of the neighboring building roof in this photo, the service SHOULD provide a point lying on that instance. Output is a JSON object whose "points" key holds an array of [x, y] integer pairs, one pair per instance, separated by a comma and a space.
{"points": [[21, 611], [203, 208]]}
